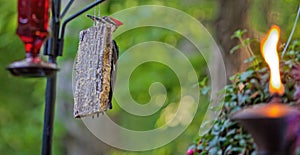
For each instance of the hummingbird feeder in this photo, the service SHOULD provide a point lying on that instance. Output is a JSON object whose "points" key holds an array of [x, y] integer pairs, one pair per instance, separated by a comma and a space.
{"points": [[33, 19]]}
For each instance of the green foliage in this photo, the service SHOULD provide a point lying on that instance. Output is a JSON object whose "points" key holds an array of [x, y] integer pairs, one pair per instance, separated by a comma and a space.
{"points": [[248, 88], [204, 88], [244, 43]]}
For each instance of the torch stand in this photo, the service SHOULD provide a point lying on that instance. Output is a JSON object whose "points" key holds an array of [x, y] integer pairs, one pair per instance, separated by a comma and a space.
{"points": [[273, 126], [53, 47]]}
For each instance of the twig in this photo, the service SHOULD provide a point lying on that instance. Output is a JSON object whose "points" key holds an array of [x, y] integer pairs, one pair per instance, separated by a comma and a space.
{"points": [[292, 32]]}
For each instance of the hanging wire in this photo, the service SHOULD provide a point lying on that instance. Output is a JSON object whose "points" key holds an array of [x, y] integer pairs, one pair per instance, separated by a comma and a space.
{"points": [[99, 12], [96, 14], [95, 22], [292, 32]]}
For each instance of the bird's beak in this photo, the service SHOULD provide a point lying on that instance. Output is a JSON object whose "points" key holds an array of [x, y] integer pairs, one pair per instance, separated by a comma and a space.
{"points": [[117, 22]]}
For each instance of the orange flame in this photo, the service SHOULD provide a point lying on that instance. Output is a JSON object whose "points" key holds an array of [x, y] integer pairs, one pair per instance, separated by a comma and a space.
{"points": [[268, 48], [275, 110]]}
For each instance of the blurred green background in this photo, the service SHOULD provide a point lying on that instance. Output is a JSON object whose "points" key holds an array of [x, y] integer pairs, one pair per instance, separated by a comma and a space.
{"points": [[22, 100]]}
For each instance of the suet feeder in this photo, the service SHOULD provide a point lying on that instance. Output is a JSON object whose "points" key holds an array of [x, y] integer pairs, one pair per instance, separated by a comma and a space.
{"points": [[95, 68]]}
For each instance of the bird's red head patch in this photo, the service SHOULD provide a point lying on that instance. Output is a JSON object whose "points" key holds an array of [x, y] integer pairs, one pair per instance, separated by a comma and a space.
{"points": [[116, 21]]}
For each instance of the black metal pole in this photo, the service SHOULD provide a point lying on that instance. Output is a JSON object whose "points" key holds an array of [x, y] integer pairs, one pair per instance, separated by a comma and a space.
{"points": [[49, 115], [50, 95]]}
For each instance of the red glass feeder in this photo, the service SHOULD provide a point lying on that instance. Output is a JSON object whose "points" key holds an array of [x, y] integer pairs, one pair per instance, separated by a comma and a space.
{"points": [[33, 19]]}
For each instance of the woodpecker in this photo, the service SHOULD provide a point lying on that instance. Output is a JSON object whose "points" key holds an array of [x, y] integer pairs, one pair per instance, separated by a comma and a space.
{"points": [[115, 53], [111, 20]]}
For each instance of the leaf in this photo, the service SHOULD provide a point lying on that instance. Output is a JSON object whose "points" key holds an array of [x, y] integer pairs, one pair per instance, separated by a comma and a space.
{"points": [[247, 41], [243, 142], [238, 33], [203, 82], [213, 150], [251, 59], [205, 90], [237, 149], [245, 75], [216, 108], [294, 44], [235, 48], [231, 132], [228, 149]]}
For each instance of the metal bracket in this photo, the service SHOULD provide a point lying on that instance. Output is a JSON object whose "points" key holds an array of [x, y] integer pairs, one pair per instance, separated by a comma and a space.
{"points": [[60, 33]]}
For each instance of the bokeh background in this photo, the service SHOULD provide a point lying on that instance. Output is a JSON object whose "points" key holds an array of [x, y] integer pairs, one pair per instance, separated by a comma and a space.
{"points": [[22, 100]]}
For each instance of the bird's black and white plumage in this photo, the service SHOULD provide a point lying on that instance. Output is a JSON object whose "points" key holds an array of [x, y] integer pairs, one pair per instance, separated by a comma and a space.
{"points": [[115, 56]]}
